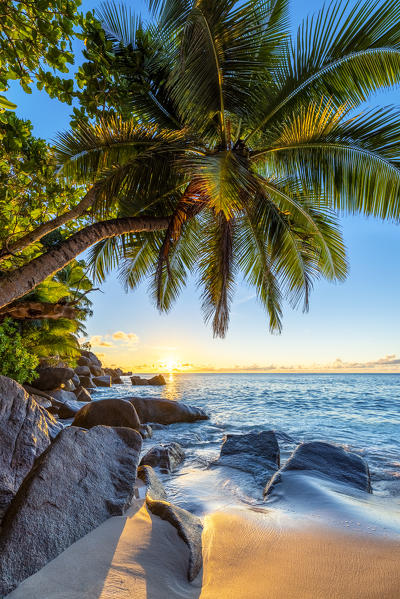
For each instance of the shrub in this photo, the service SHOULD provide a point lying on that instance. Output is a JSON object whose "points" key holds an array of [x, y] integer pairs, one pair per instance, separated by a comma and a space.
{"points": [[16, 361]]}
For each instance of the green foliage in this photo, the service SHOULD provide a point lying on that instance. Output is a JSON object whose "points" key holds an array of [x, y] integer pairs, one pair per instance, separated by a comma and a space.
{"points": [[36, 35], [249, 140], [58, 339], [16, 358], [30, 191]]}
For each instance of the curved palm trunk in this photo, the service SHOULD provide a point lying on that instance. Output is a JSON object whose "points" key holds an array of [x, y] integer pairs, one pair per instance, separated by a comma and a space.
{"points": [[22, 280], [45, 228]]}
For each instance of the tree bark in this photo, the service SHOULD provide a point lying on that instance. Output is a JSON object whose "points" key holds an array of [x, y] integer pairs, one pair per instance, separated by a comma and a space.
{"points": [[45, 228], [31, 310], [17, 283]]}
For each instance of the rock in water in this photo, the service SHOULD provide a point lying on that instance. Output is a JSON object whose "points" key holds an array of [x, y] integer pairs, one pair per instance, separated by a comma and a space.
{"points": [[82, 479], [82, 394], [50, 377], [102, 381], [157, 380], [146, 431], [26, 431], [188, 526], [325, 461], [165, 411], [166, 457], [108, 412], [256, 453]]}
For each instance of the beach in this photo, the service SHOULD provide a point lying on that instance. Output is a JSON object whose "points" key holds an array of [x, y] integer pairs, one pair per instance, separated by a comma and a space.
{"points": [[247, 554]]}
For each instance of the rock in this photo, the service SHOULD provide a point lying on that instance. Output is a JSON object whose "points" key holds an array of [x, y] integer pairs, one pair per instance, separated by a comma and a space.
{"points": [[137, 380], [68, 385], [155, 380], [87, 382], [166, 457], [188, 526], [26, 430], [75, 380], [154, 486], [326, 461], [145, 431], [256, 453], [83, 361], [65, 402], [102, 381], [52, 377], [82, 394], [82, 371], [62, 395], [91, 357], [115, 374], [165, 411], [108, 412], [96, 370], [82, 479], [42, 401]]}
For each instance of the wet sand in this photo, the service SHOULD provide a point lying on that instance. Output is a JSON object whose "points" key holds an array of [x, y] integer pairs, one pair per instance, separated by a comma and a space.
{"points": [[247, 554]]}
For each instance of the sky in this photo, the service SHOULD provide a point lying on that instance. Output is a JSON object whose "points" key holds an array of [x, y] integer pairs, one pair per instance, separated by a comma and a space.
{"points": [[350, 327]]}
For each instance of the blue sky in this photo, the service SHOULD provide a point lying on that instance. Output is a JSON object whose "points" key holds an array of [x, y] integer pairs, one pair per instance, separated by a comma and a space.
{"points": [[354, 325]]}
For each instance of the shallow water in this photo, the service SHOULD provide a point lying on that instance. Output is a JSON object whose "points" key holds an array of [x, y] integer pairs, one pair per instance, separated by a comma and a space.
{"points": [[360, 412]]}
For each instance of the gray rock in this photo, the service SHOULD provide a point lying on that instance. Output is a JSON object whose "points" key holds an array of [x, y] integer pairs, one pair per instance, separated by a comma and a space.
{"points": [[146, 431], [96, 370], [108, 412], [155, 489], [255, 453], [82, 479], [82, 371], [26, 430], [188, 526], [87, 382], [65, 402], [102, 381], [42, 401], [155, 380], [325, 461], [68, 385], [165, 411], [91, 357], [83, 361], [50, 377], [166, 457], [82, 394], [75, 380], [137, 380]]}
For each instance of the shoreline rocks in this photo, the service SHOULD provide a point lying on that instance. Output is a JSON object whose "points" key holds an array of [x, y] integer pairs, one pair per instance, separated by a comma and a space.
{"points": [[188, 526], [107, 412], [165, 457], [79, 481], [165, 411], [254, 453], [157, 380], [26, 430], [326, 461]]}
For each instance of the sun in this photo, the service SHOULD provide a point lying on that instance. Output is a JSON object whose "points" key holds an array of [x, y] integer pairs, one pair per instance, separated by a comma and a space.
{"points": [[170, 365]]}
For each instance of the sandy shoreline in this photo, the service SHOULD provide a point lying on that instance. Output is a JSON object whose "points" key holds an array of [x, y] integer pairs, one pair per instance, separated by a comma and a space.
{"points": [[247, 554]]}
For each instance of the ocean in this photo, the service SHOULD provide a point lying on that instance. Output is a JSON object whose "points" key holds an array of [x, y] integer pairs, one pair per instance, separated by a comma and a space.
{"points": [[360, 412]]}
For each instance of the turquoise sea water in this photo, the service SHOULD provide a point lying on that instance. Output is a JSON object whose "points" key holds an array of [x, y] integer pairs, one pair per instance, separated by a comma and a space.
{"points": [[358, 411]]}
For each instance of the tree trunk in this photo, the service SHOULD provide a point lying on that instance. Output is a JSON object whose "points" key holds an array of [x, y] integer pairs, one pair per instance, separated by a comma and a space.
{"points": [[45, 228], [31, 310], [17, 283]]}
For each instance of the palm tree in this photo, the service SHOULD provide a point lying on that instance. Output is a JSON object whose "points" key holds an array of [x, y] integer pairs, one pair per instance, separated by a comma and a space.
{"points": [[237, 150]]}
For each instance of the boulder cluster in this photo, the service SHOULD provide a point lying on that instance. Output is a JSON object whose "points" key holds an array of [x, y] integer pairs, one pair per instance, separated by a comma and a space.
{"points": [[58, 482]]}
